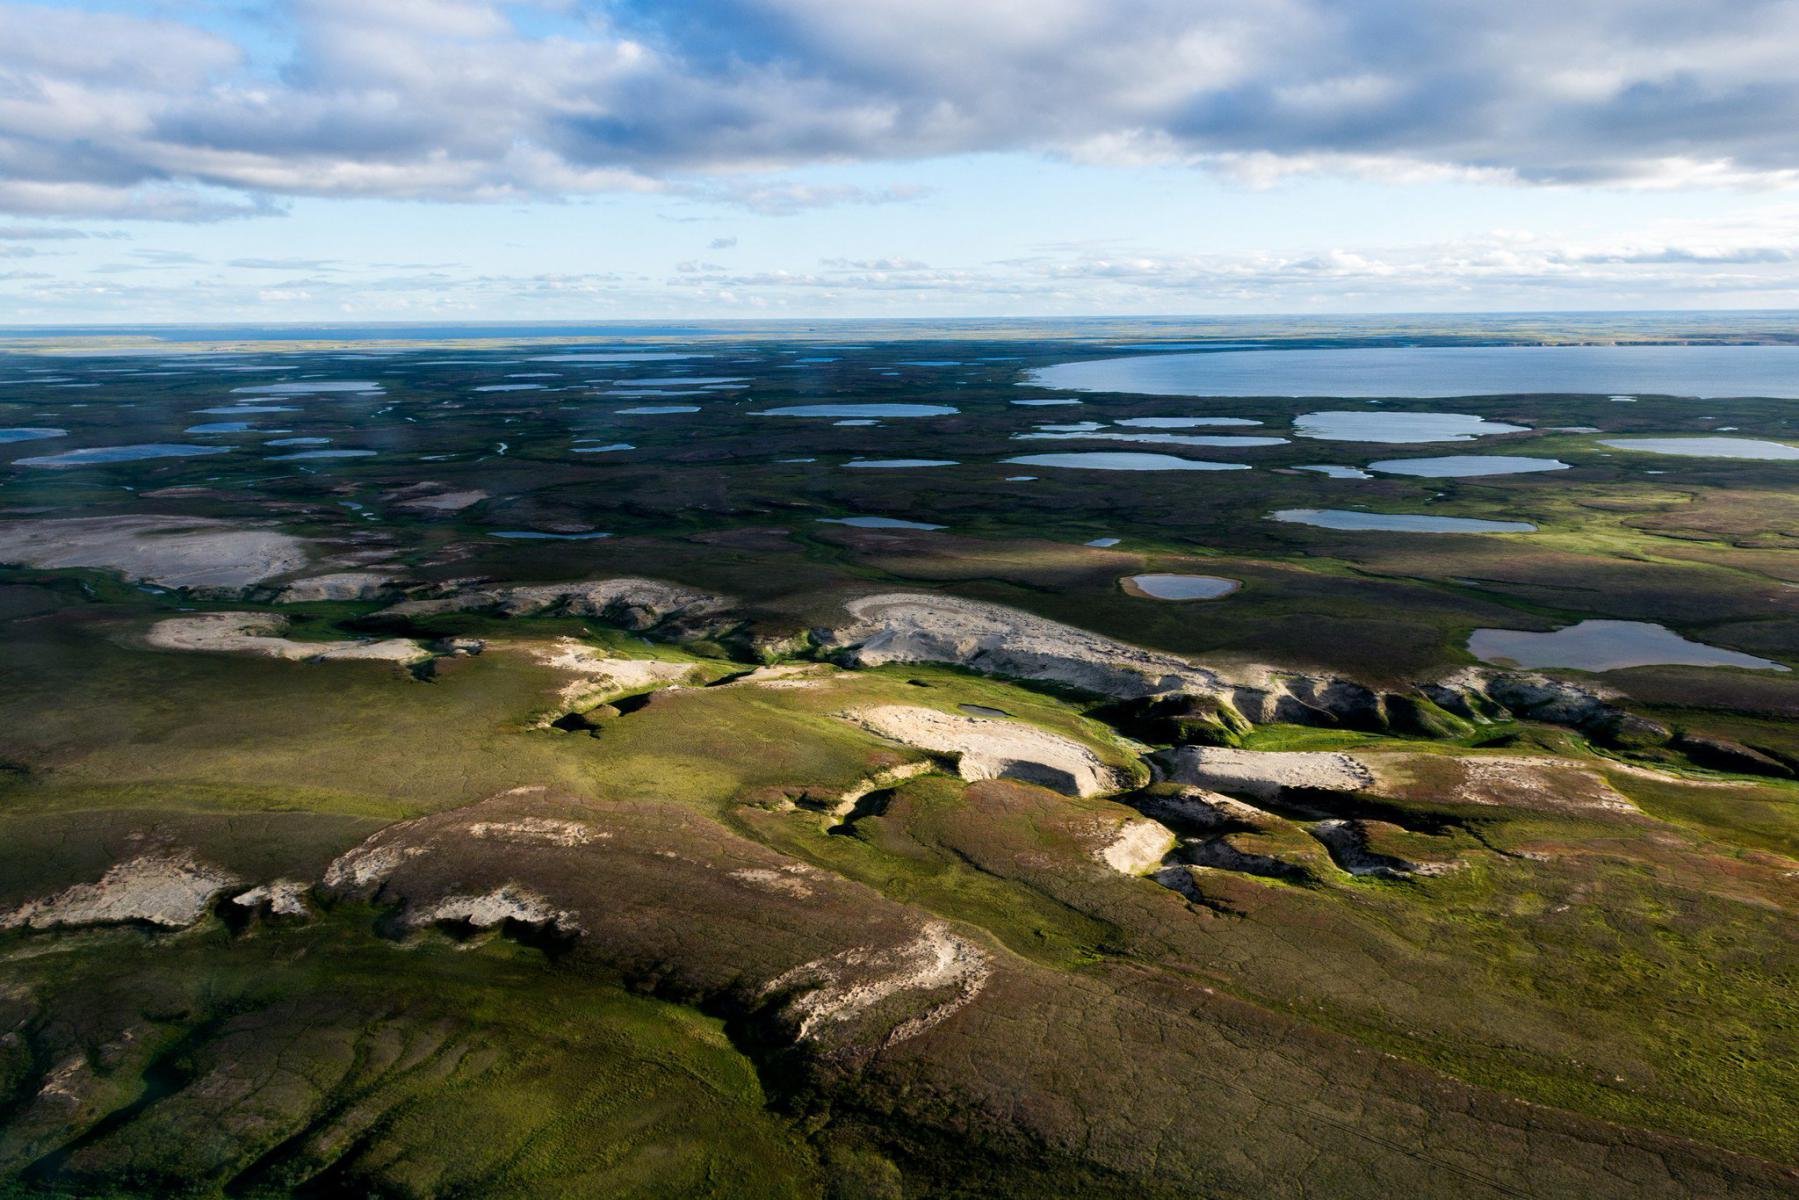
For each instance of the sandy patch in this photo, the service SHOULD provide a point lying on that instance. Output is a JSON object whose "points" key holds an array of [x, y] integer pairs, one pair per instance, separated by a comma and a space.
{"points": [[491, 909], [995, 640], [168, 890], [628, 602], [1205, 810], [176, 552], [602, 677], [418, 500], [788, 881], [1263, 774], [259, 633], [787, 676], [283, 898], [340, 585], [537, 831], [371, 862], [834, 990], [1138, 847], [991, 749]]}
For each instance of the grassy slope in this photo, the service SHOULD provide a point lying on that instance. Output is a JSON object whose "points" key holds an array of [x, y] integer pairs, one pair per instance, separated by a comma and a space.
{"points": [[1488, 973], [405, 1071], [1630, 977]]}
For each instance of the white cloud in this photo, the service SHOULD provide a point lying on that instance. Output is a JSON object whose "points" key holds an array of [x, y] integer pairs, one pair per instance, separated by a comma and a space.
{"points": [[105, 114]]}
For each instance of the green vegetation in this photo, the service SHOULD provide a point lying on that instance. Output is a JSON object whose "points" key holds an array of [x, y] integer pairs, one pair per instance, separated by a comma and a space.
{"points": [[712, 938], [322, 1055]]}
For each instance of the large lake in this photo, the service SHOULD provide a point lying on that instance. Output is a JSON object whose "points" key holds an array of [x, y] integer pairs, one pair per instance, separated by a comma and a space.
{"points": [[1420, 372]]}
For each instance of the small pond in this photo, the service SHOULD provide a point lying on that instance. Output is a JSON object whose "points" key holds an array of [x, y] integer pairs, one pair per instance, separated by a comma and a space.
{"points": [[861, 410], [534, 535], [1183, 422], [1709, 447], [1222, 440], [24, 433], [116, 454], [1465, 466], [1606, 646], [1121, 460], [877, 523], [1397, 428], [1179, 587], [311, 454], [1350, 521]]}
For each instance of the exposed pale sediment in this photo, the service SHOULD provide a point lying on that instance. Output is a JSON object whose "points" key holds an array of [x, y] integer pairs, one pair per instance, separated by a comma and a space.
{"points": [[600, 677], [338, 585], [1202, 809], [431, 497], [282, 898], [991, 749], [487, 910], [260, 633], [177, 552], [842, 987], [171, 890], [903, 627], [537, 831], [1263, 775], [1138, 846], [630, 602]]}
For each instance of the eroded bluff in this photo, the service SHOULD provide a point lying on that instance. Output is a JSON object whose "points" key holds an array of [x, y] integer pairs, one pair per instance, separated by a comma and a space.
{"points": [[1164, 697]]}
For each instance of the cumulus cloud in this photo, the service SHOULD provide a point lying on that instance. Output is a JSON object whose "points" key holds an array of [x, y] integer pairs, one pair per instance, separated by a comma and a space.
{"points": [[108, 114]]}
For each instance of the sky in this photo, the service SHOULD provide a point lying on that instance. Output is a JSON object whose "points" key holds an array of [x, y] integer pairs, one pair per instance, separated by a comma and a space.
{"points": [[395, 160]]}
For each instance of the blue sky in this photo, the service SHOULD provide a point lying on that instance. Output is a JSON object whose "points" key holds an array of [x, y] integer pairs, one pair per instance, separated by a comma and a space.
{"points": [[431, 159]]}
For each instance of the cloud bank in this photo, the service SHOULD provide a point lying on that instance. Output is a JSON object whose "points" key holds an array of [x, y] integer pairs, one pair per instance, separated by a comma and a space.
{"points": [[108, 114], [1728, 261]]}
